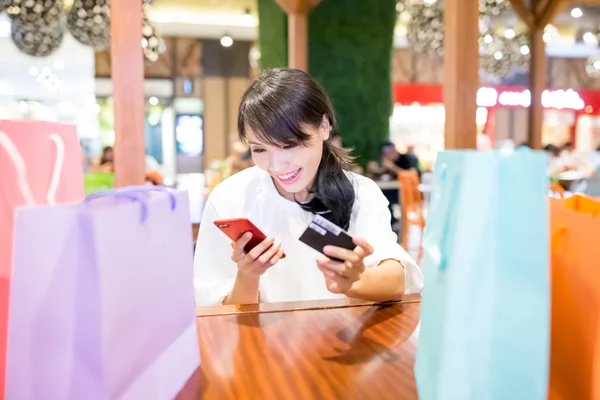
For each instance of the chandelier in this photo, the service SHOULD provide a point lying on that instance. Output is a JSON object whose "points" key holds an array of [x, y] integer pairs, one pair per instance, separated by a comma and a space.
{"points": [[501, 54], [38, 26]]}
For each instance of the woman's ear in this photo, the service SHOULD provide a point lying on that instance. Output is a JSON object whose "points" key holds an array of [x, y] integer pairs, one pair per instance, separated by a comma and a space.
{"points": [[325, 128]]}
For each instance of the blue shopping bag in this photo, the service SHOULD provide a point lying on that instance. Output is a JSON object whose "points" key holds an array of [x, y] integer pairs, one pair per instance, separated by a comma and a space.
{"points": [[485, 313]]}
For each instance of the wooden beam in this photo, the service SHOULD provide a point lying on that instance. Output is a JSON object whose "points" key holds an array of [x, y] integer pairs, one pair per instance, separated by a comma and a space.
{"points": [[522, 11], [538, 6], [298, 41], [127, 68], [537, 84], [297, 11], [461, 80], [548, 13]]}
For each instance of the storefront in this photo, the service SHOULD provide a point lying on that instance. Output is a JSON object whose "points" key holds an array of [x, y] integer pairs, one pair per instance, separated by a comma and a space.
{"points": [[418, 117]]}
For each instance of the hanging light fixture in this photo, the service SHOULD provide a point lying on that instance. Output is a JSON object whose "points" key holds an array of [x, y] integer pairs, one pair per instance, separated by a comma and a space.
{"points": [[36, 42], [493, 8], [592, 67], [37, 14], [89, 23], [4, 4], [425, 30], [152, 44]]}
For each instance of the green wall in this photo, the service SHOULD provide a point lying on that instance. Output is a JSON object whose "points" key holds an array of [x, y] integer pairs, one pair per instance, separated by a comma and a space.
{"points": [[272, 33], [349, 52]]}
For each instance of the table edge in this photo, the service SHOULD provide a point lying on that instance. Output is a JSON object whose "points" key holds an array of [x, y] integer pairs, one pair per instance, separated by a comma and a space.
{"points": [[263, 308]]}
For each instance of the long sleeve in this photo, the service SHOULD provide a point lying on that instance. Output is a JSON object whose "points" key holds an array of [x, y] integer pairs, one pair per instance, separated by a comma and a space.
{"points": [[214, 271], [373, 224]]}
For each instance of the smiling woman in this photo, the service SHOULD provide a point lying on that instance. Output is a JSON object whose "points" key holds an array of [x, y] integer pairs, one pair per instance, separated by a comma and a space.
{"points": [[288, 121]]}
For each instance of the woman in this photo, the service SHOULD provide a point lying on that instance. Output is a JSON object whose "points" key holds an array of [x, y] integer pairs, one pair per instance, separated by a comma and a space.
{"points": [[288, 121]]}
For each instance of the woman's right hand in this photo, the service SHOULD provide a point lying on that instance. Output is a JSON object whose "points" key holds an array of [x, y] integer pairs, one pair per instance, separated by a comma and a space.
{"points": [[258, 260]]}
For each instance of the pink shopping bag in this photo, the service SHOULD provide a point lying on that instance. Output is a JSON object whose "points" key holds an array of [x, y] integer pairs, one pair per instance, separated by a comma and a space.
{"points": [[102, 300], [40, 163]]}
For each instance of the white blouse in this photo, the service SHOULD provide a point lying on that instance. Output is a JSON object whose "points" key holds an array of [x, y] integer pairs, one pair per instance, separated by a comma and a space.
{"points": [[252, 194]]}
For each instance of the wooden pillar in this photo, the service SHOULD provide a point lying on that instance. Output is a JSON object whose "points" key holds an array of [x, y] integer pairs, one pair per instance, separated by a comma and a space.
{"points": [[537, 84], [461, 78], [539, 14], [297, 11], [128, 91], [298, 41]]}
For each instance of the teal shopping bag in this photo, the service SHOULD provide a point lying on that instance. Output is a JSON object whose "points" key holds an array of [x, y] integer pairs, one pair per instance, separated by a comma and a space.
{"points": [[485, 313]]}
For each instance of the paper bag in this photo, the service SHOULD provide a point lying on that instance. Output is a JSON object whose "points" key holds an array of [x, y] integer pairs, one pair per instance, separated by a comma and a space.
{"points": [[485, 311], [102, 300], [40, 163], [575, 349]]}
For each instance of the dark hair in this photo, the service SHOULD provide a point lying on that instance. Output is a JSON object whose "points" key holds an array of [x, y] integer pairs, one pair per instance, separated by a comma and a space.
{"points": [[385, 145], [275, 107], [105, 159]]}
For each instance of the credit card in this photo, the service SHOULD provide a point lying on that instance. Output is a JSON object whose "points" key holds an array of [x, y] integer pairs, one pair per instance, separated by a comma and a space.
{"points": [[321, 233]]}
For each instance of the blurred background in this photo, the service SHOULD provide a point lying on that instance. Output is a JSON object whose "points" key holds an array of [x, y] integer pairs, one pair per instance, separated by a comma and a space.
{"points": [[382, 62]]}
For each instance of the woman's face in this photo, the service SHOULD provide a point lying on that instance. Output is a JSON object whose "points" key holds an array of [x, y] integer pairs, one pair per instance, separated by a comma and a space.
{"points": [[293, 168]]}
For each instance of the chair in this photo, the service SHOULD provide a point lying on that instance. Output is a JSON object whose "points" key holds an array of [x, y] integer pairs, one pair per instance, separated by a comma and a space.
{"points": [[558, 189], [411, 204]]}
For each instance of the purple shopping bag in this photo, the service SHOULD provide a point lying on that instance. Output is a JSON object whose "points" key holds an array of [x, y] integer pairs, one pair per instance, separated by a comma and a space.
{"points": [[102, 299]]}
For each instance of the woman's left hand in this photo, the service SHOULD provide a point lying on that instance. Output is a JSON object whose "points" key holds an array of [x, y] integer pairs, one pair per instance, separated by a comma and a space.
{"points": [[339, 276]]}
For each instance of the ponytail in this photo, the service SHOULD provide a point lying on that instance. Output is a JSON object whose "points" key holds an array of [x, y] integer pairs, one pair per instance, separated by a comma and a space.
{"points": [[333, 190]]}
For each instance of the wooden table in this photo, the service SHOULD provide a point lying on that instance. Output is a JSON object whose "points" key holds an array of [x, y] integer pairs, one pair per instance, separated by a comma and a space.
{"points": [[340, 349]]}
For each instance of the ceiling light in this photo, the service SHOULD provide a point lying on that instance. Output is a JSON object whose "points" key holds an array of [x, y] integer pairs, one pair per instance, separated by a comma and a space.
{"points": [[226, 41], [153, 101], [248, 17], [590, 38], [488, 38], [576, 12], [509, 34], [525, 50], [429, 1], [498, 55]]}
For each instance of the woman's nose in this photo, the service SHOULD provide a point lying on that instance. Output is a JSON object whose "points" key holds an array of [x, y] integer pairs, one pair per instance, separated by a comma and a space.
{"points": [[278, 161]]}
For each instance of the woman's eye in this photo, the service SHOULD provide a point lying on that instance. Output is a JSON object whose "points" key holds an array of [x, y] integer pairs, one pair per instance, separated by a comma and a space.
{"points": [[258, 150], [289, 146]]}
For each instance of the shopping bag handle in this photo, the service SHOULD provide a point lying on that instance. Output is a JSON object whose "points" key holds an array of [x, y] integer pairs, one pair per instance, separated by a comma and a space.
{"points": [[117, 194], [19, 163], [142, 189], [133, 192]]}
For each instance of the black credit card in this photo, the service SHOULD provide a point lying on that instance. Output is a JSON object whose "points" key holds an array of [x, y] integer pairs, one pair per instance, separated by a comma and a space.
{"points": [[321, 233]]}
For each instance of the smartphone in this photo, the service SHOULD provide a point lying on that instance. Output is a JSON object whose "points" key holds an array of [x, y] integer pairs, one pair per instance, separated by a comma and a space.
{"points": [[236, 227]]}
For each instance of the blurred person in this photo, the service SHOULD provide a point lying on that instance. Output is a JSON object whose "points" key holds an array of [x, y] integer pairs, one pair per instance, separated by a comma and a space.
{"points": [[288, 120], [240, 159], [567, 149], [555, 163], [393, 161], [106, 162], [107, 155]]}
